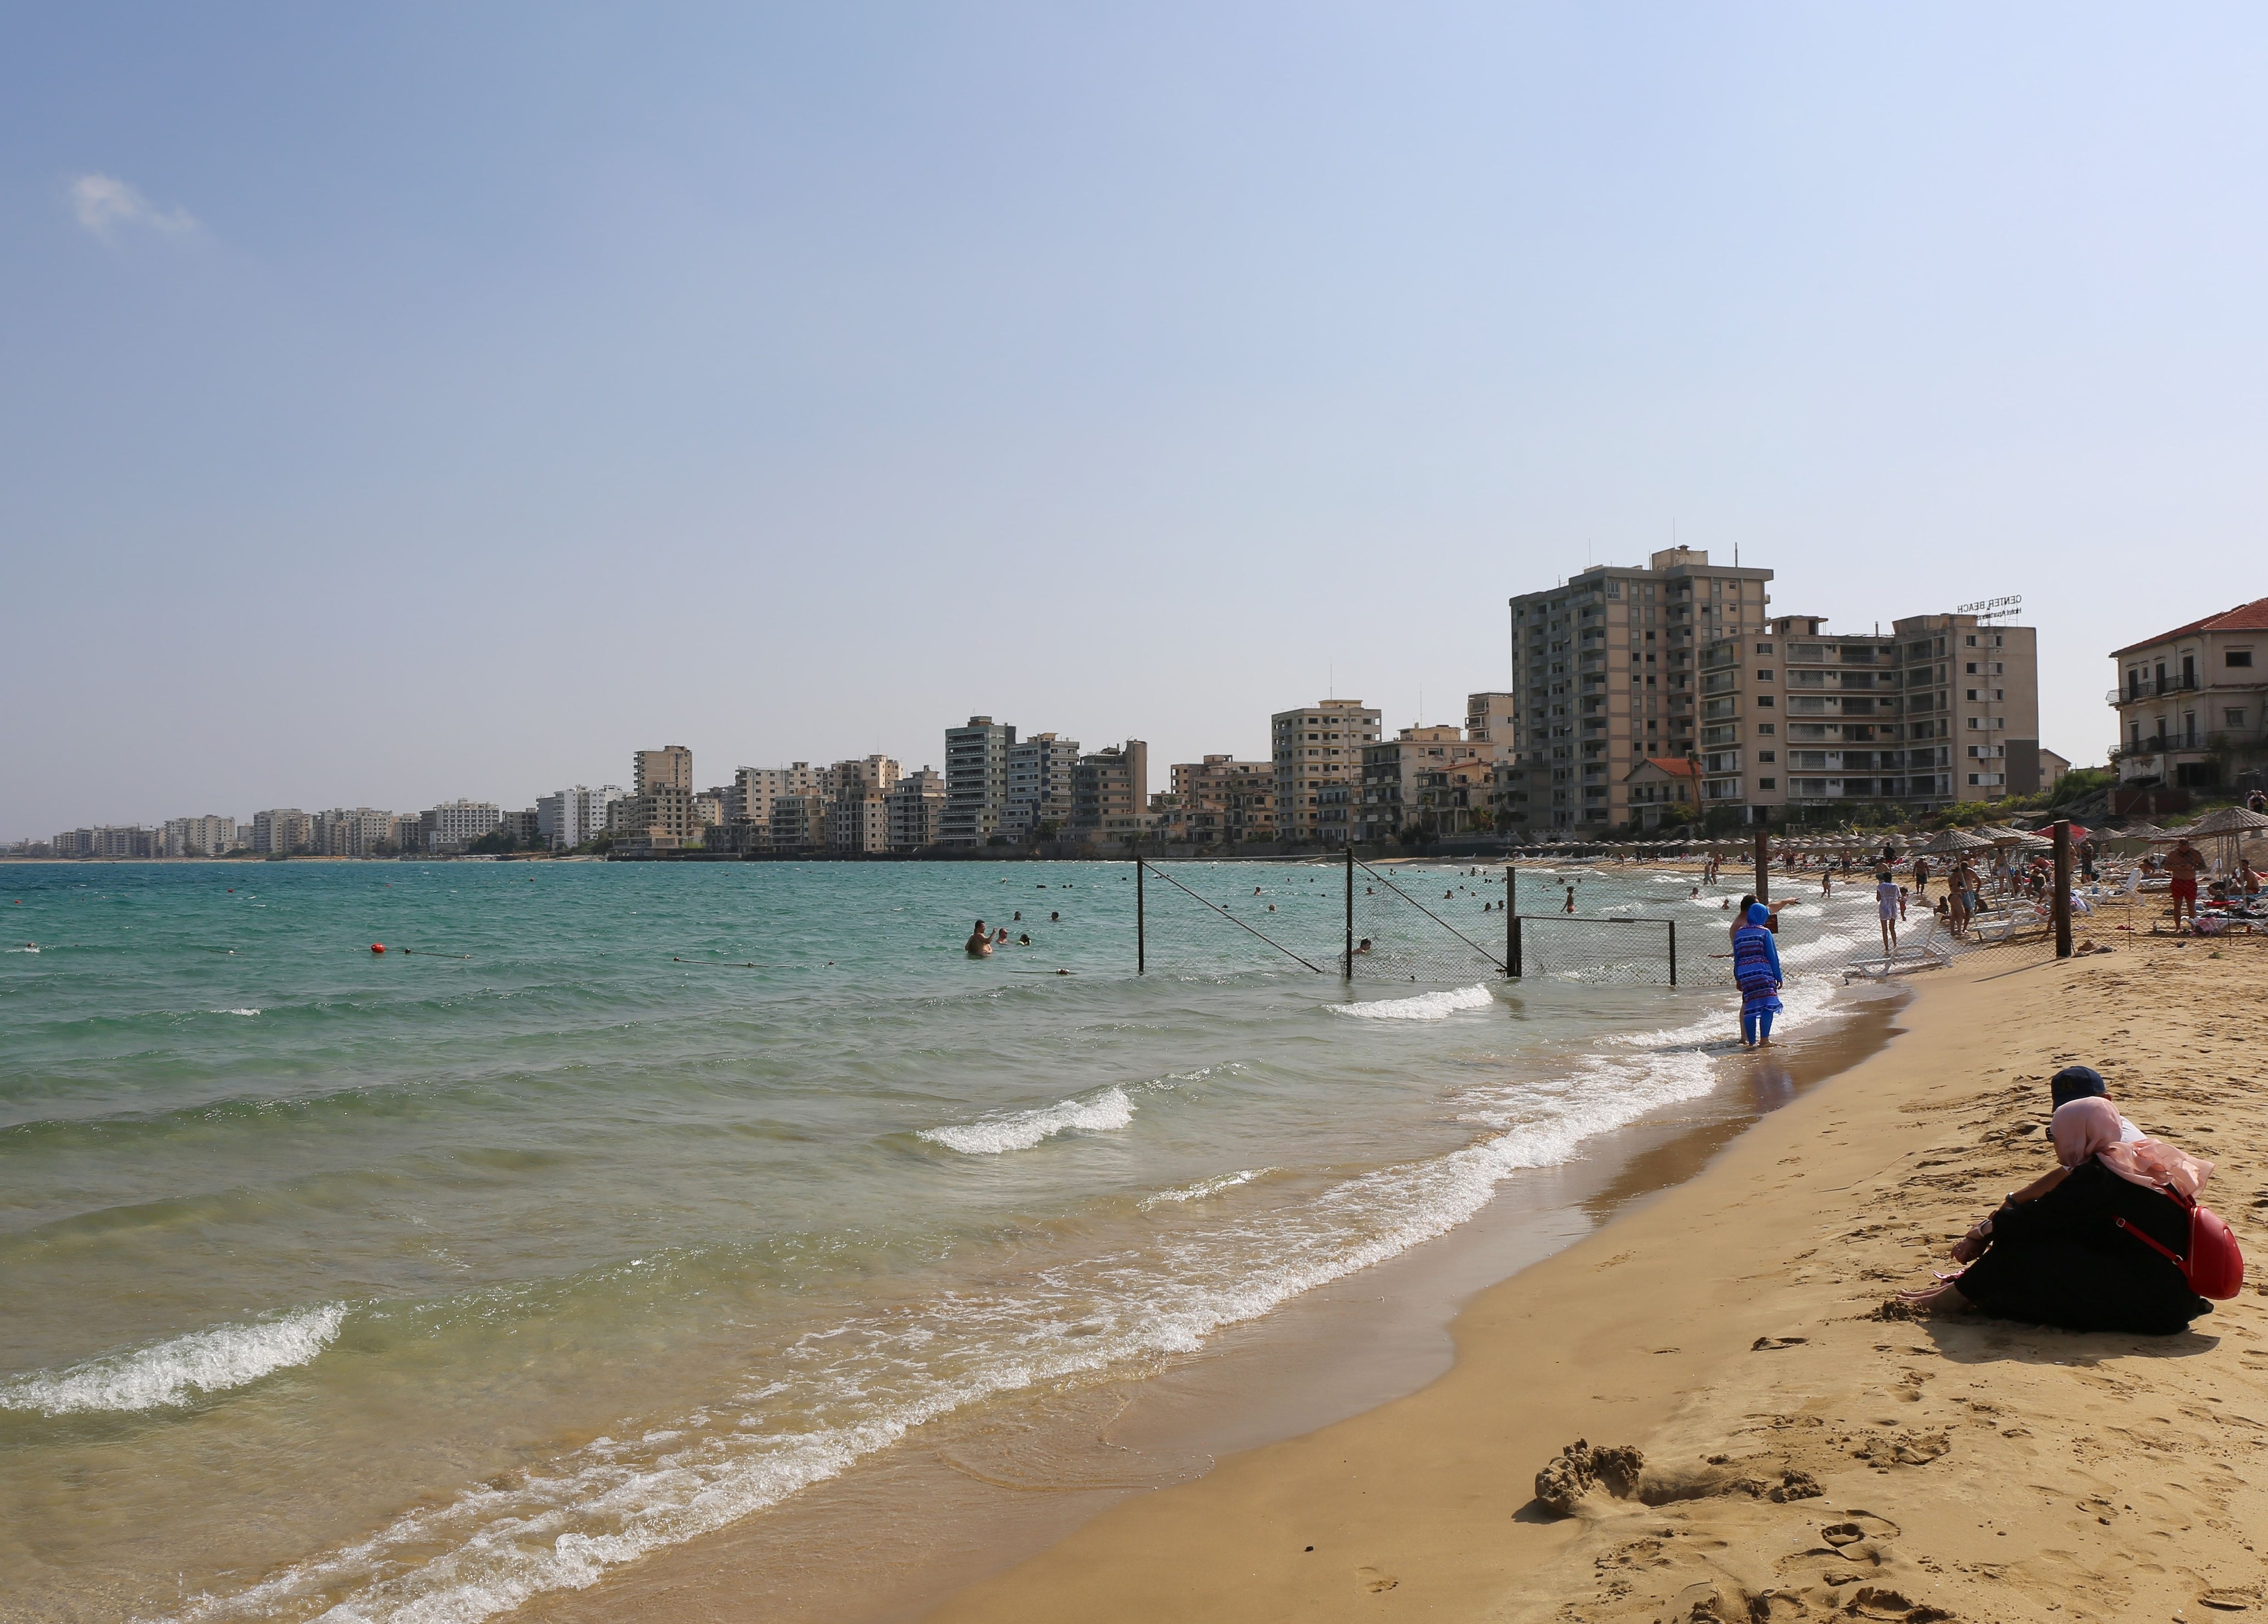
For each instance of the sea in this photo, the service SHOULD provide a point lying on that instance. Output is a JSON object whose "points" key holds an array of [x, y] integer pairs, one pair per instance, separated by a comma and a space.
{"points": [[614, 1204]]}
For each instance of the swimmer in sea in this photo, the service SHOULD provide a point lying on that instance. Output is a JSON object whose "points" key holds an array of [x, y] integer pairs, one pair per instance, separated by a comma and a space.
{"points": [[1055, 919], [979, 944], [1365, 946], [1023, 941], [1002, 939]]}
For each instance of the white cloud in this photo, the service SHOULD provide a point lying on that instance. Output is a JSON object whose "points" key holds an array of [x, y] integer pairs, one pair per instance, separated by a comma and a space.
{"points": [[104, 202]]}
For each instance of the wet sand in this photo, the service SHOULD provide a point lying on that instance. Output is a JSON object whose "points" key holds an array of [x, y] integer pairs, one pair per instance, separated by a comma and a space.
{"points": [[975, 1494], [1811, 1456]]}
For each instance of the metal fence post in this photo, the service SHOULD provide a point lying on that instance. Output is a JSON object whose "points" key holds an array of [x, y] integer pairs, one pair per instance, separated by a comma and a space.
{"points": [[2062, 912], [1141, 923], [1347, 964], [1673, 952], [1511, 916], [1763, 863]]}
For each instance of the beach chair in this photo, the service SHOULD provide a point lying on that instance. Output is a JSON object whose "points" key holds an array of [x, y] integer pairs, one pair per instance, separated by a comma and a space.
{"points": [[1930, 950], [1998, 926]]}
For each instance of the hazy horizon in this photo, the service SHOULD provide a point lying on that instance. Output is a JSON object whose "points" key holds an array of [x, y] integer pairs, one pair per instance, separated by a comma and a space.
{"points": [[417, 404]]}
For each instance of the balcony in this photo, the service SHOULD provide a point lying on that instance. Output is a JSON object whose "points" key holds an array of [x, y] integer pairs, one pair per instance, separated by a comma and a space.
{"points": [[2149, 688]]}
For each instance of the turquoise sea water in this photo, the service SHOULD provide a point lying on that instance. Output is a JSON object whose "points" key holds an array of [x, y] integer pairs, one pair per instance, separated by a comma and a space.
{"points": [[630, 1199]]}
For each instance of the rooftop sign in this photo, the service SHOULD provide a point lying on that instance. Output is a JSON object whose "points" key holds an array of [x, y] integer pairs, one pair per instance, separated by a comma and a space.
{"points": [[1993, 609]]}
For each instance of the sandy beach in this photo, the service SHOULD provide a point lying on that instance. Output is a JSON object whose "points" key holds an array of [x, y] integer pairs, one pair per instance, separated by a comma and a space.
{"points": [[1805, 1455]]}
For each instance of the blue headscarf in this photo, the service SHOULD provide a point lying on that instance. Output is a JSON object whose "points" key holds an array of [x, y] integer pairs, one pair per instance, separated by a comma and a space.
{"points": [[1758, 914]]}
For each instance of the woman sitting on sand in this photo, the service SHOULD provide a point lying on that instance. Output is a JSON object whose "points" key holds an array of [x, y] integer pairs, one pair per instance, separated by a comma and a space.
{"points": [[2062, 1252]]}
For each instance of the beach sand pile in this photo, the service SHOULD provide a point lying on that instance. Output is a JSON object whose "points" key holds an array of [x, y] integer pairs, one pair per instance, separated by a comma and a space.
{"points": [[1761, 1438]]}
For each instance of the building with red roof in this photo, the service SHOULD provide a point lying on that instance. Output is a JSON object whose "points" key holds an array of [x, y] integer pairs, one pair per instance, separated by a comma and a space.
{"points": [[2192, 703]]}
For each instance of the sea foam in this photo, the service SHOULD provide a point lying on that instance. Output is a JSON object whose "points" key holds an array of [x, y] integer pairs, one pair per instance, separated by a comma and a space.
{"points": [[1418, 1006], [1020, 1130], [170, 1372]]}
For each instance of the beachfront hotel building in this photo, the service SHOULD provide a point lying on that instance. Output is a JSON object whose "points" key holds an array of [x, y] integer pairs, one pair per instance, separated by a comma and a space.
{"points": [[1777, 714], [1317, 754], [976, 780], [2193, 701], [1605, 674], [566, 818]]}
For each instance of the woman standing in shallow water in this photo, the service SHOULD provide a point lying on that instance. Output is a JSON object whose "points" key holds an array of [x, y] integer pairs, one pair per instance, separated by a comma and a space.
{"points": [[1755, 969]]}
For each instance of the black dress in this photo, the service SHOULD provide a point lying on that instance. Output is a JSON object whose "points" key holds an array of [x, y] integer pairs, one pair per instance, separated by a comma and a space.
{"points": [[2061, 1260]]}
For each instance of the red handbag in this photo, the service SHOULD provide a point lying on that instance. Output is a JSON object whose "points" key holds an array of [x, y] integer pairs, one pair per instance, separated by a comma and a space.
{"points": [[2213, 1266]]}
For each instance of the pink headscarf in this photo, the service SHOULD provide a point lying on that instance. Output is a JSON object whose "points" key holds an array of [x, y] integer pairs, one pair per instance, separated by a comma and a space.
{"points": [[2091, 1127]]}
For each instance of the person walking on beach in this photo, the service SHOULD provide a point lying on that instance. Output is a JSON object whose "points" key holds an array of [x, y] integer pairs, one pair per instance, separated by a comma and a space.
{"points": [[1570, 908], [979, 944], [1886, 909], [2185, 863], [1921, 878], [1755, 971]]}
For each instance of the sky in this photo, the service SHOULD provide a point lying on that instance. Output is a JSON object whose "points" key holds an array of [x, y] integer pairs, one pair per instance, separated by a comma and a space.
{"points": [[406, 403]]}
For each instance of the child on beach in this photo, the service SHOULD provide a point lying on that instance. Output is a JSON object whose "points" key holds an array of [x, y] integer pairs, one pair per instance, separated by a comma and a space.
{"points": [[1755, 969]]}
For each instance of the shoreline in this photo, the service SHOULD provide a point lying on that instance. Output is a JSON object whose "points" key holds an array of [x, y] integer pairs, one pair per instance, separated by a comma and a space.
{"points": [[973, 1494], [1731, 1329]]}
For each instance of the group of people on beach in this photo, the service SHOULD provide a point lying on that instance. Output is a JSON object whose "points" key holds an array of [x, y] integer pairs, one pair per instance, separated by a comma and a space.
{"points": [[2113, 1239]]}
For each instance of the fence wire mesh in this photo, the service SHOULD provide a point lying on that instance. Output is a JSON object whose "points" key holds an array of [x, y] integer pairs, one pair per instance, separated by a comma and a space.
{"points": [[1231, 918], [1403, 933]]}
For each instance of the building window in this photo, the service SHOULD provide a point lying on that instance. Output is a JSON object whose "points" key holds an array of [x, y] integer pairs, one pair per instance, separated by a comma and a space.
{"points": [[1764, 699], [2232, 718], [1767, 783], [2237, 657], [1767, 756], [1763, 727]]}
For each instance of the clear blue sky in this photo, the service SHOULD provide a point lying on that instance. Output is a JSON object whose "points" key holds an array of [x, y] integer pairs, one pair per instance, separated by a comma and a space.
{"points": [[399, 402]]}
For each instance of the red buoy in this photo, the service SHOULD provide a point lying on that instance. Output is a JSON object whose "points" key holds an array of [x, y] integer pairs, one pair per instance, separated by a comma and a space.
{"points": [[378, 946]]}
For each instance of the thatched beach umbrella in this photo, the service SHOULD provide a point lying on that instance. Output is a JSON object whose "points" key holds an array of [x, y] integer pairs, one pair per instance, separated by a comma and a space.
{"points": [[1946, 842], [2229, 826]]}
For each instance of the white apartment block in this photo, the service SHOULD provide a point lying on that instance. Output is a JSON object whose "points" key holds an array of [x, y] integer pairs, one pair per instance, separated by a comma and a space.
{"points": [[976, 780], [566, 818], [210, 836], [456, 824]]}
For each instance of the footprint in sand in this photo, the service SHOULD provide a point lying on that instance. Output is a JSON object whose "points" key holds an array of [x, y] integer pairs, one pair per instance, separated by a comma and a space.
{"points": [[1376, 1582]]}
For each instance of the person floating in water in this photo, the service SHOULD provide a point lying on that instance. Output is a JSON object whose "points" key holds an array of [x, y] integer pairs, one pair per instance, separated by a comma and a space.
{"points": [[1023, 941], [1755, 970], [979, 944]]}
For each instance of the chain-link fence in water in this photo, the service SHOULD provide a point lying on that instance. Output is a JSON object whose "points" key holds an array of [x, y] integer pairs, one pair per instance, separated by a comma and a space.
{"points": [[1227, 919], [1602, 950], [1403, 933], [1343, 919]]}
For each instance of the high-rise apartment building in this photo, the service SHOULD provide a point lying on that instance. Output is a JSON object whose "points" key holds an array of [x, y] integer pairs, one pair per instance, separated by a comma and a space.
{"points": [[210, 836], [661, 819], [1110, 792], [916, 809], [670, 767], [1605, 674], [976, 780], [1941, 708], [456, 824], [566, 818], [1317, 752], [754, 789], [1039, 784], [352, 831], [281, 830]]}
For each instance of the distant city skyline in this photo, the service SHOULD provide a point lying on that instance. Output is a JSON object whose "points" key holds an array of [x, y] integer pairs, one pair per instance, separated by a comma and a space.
{"points": [[402, 408]]}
